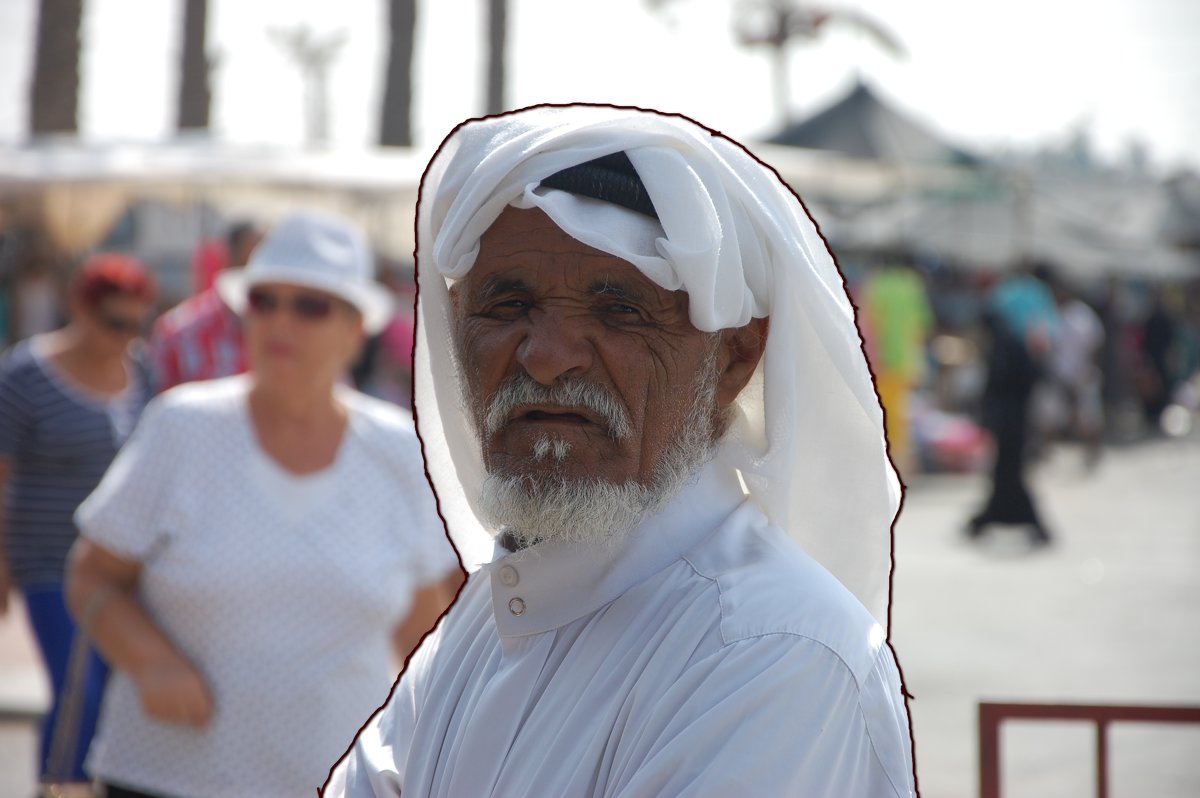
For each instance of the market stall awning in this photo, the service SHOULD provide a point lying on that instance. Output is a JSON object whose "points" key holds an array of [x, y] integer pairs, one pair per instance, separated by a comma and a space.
{"points": [[862, 125]]}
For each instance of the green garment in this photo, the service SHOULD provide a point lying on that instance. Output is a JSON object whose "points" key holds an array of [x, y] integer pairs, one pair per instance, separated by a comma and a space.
{"points": [[899, 319]]}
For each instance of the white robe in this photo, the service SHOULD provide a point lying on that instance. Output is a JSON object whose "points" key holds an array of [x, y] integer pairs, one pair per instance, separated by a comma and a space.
{"points": [[705, 656]]}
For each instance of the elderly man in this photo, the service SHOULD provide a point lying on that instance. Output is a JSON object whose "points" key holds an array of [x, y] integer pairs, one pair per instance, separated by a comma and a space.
{"points": [[637, 365]]}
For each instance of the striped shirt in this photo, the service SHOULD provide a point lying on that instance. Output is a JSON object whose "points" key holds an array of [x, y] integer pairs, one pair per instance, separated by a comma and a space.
{"points": [[60, 438], [198, 339]]}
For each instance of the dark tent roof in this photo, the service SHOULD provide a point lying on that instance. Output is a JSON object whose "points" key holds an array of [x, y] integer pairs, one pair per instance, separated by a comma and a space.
{"points": [[863, 126]]}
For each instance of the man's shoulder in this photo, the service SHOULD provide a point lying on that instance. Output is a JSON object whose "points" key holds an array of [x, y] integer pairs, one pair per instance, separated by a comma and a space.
{"points": [[769, 588], [1082, 314], [201, 311]]}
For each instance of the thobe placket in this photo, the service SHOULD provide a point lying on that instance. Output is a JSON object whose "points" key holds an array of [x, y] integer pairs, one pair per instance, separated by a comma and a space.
{"points": [[538, 590], [504, 703]]}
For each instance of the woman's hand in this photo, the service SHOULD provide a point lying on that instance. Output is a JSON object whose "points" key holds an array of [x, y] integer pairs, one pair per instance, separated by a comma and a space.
{"points": [[100, 591], [6, 586], [429, 602], [6, 583], [173, 691]]}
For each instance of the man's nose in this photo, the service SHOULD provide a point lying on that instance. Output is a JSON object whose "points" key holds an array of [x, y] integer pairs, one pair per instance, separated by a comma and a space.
{"points": [[553, 347]]}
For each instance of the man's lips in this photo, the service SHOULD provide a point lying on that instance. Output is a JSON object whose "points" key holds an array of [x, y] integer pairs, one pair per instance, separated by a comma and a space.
{"points": [[553, 415]]}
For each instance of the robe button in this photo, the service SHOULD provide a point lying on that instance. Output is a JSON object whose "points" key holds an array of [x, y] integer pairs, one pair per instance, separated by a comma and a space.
{"points": [[509, 576], [516, 606]]}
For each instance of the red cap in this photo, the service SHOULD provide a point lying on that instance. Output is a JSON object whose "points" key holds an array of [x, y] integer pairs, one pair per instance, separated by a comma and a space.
{"points": [[109, 273]]}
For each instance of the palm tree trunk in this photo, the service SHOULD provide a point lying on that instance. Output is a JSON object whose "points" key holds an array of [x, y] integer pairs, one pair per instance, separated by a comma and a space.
{"points": [[195, 96], [54, 91], [782, 86], [497, 43], [395, 128]]}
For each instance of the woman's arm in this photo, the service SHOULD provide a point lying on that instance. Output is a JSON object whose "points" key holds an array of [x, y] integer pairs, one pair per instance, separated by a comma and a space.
{"points": [[5, 575], [100, 595], [429, 602]]}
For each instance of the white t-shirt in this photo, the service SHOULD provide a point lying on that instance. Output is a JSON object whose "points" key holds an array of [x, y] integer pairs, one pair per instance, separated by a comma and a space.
{"points": [[1080, 335], [706, 656], [283, 590]]}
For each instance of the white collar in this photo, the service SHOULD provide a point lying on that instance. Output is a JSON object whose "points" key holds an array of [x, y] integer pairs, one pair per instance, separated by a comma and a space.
{"points": [[549, 585]]}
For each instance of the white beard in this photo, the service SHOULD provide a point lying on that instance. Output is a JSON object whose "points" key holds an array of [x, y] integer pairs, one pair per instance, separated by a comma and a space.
{"points": [[554, 508]]}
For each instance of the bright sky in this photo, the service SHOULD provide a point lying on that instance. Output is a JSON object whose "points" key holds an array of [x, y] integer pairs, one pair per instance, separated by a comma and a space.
{"points": [[1022, 73]]}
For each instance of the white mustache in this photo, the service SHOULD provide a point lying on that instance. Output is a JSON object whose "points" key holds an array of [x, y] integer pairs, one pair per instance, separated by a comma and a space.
{"points": [[522, 389]]}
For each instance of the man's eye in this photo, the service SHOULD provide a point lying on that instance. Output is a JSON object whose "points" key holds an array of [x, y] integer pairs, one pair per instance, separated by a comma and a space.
{"points": [[621, 308], [507, 307]]}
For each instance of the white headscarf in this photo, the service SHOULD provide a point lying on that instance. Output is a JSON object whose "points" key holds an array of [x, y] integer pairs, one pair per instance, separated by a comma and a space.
{"points": [[808, 438]]}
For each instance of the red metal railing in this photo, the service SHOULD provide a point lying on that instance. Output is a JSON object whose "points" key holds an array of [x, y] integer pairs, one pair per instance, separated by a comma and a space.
{"points": [[992, 714]]}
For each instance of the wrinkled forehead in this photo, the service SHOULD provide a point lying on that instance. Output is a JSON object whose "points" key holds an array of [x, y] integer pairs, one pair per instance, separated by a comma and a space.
{"points": [[525, 249], [687, 208]]}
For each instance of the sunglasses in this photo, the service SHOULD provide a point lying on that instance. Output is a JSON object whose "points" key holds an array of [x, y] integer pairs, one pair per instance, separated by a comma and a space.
{"points": [[309, 307], [122, 325]]}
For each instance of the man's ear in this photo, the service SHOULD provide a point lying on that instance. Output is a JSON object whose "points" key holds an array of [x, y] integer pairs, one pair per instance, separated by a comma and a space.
{"points": [[741, 349]]}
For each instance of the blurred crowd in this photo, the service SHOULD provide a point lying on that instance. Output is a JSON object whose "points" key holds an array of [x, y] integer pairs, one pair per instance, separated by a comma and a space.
{"points": [[213, 511], [977, 372], [1111, 360], [35, 272], [1133, 341]]}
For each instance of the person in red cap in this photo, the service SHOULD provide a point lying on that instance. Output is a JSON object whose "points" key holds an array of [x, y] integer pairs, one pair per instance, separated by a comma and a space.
{"points": [[68, 400]]}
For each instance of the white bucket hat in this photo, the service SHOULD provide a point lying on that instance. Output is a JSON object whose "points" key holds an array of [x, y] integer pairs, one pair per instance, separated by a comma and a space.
{"points": [[315, 251]]}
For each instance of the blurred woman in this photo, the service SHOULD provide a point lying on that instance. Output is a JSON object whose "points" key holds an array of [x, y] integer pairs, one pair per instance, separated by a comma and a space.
{"points": [[1014, 367], [68, 399], [263, 547]]}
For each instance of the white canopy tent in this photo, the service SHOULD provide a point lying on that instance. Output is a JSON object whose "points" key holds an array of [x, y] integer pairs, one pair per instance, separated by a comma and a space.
{"points": [[978, 217], [1090, 229], [79, 192]]}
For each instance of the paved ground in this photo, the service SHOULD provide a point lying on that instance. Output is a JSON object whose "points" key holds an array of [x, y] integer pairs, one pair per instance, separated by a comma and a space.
{"points": [[1109, 614], [23, 689]]}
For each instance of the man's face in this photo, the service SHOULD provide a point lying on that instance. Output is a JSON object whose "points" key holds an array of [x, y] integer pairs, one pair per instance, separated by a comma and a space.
{"points": [[539, 303], [243, 248], [115, 322]]}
